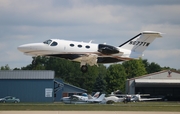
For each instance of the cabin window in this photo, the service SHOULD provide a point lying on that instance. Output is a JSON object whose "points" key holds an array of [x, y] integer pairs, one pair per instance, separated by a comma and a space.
{"points": [[47, 42], [87, 47], [54, 44], [72, 45], [79, 46]]}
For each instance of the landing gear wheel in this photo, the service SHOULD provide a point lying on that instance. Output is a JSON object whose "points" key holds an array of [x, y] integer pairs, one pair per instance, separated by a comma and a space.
{"points": [[84, 68]]}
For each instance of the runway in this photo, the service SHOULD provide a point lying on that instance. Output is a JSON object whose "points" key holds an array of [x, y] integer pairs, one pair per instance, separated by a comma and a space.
{"points": [[86, 112]]}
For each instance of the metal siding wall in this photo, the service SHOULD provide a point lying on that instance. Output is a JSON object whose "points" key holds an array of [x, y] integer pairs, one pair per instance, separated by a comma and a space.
{"points": [[30, 90], [131, 87], [127, 86]]}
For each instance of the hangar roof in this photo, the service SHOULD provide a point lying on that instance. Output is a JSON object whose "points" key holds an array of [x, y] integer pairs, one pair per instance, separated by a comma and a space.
{"points": [[165, 74], [165, 77], [26, 74], [157, 81]]}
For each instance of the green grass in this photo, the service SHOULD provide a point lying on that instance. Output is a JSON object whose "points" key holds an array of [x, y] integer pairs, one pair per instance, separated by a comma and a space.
{"points": [[138, 106]]}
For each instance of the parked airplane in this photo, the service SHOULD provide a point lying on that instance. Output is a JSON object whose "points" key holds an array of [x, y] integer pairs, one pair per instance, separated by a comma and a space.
{"points": [[137, 97], [117, 96], [91, 53], [77, 100], [83, 97], [114, 99]]}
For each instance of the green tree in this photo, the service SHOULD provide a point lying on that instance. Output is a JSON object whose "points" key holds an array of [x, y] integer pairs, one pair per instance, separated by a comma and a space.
{"points": [[67, 70], [153, 67], [16, 69], [115, 78], [134, 68], [28, 67], [38, 63], [146, 64], [89, 78], [6, 67], [100, 83], [168, 68]]}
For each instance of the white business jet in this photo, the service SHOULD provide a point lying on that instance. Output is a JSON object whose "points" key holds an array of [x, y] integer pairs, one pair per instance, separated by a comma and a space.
{"points": [[91, 53]]}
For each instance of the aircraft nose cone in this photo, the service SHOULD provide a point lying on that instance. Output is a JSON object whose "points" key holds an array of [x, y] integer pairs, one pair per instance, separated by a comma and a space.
{"points": [[23, 48]]}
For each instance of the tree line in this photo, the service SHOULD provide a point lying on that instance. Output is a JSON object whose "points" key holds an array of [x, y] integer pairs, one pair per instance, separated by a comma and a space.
{"points": [[98, 78]]}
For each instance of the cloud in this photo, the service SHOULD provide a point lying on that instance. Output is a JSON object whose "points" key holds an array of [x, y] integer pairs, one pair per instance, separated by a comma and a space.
{"points": [[47, 15], [2, 46], [164, 57]]}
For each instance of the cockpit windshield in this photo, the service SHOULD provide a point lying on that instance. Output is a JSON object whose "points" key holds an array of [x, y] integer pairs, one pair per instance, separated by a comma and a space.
{"points": [[47, 42]]}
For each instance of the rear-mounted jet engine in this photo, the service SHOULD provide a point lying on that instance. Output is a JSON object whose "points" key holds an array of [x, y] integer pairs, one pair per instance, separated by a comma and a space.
{"points": [[107, 49]]}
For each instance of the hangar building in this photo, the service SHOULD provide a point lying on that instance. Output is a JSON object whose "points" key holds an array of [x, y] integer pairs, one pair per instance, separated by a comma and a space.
{"points": [[165, 84], [34, 86]]}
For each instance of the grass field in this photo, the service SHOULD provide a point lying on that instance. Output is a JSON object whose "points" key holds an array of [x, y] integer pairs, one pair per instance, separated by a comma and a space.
{"points": [[137, 106]]}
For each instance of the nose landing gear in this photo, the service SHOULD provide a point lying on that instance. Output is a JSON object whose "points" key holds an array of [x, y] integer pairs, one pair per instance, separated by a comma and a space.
{"points": [[84, 68]]}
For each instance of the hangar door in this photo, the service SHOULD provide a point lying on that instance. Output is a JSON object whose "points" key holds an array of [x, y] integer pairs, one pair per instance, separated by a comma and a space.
{"points": [[167, 89]]}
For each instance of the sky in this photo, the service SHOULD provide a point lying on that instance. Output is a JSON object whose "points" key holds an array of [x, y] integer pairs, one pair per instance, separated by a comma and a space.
{"points": [[104, 21]]}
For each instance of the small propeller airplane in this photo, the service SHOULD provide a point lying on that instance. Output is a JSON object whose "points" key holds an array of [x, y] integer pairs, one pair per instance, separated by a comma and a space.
{"points": [[78, 100], [130, 97], [91, 53], [138, 98], [83, 97]]}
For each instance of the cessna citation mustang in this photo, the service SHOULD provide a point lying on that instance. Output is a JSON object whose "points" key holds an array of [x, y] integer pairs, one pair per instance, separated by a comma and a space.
{"points": [[91, 53]]}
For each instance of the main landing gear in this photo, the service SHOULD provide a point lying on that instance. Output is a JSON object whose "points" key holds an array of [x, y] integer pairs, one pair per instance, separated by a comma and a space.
{"points": [[84, 68]]}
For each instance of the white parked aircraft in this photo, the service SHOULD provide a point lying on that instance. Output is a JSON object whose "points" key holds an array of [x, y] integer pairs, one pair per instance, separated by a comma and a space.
{"points": [[137, 97], [114, 99], [84, 97], [91, 53], [77, 100]]}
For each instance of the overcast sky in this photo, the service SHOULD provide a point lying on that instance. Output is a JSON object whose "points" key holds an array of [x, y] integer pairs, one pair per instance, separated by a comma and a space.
{"points": [[103, 21]]}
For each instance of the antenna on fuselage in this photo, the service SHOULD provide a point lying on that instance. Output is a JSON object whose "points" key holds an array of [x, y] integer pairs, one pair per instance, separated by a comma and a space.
{"points": [[90, 41]]}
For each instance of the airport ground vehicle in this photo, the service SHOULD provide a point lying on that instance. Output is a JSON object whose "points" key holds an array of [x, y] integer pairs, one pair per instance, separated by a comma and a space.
{"points": [[9, 99]]}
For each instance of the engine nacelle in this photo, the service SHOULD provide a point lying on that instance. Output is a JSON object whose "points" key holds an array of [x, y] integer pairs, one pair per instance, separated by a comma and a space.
{"points": [[107, 49]]}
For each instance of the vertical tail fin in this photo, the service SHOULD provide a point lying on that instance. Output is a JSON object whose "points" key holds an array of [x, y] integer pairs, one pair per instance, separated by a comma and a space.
{"points": [[141, 41], [95, 96], [100, 98]]}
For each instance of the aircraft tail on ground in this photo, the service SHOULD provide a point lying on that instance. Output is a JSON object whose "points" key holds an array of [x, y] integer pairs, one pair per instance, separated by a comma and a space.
{"points": [[141, 41], [95, 96], [100, 98]]}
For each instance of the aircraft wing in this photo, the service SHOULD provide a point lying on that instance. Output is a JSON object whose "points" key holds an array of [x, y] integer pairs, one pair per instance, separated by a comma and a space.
{"points": [[150, 99], [74, 98], [112, 59], [114, 98], [91, 59]]}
